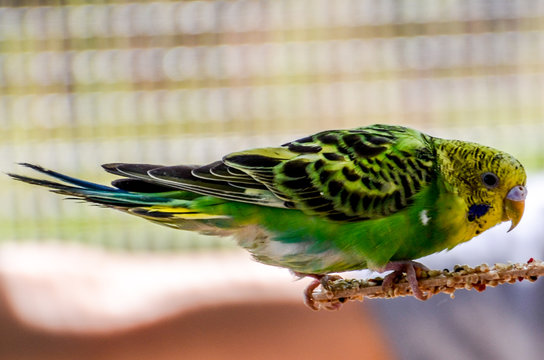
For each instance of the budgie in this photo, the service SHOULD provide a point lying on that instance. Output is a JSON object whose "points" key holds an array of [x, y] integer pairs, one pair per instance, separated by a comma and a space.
{"points": [[374, 197]]}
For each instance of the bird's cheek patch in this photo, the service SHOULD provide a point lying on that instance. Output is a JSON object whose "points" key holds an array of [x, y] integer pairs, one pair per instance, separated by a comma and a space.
{"points": [[476, 211]]}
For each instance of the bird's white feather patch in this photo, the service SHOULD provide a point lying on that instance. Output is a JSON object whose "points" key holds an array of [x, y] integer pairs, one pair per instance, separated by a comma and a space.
{"points": [[424, 217]]}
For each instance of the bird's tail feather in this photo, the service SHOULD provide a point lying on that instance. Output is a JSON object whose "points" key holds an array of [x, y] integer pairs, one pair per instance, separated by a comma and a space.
{"points": [[89, 191], [173, 207]]}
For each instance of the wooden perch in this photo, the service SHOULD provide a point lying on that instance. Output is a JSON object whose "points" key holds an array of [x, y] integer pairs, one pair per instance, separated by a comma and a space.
{"points": [[430, 282]]}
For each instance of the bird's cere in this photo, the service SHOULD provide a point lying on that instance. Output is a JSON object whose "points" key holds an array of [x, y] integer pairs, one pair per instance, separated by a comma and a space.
{"points": [[517, 193]]}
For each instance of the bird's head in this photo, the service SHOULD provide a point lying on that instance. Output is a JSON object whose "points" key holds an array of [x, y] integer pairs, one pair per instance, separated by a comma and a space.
{"points": [[491, 182]]}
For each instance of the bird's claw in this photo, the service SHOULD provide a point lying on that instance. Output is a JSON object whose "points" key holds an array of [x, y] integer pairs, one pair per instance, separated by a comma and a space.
{"points": [[411, 268], [322, 280]]}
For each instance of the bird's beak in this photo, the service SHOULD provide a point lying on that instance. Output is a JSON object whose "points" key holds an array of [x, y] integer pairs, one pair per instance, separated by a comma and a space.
{"points": [[514, 204]]}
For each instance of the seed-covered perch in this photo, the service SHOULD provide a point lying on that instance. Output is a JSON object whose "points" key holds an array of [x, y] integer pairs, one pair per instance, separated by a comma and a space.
{"points": [[430, 282]]}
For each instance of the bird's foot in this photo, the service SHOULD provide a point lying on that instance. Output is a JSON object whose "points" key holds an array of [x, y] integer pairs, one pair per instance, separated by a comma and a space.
{"points": [[323, 280], [412, 269]]}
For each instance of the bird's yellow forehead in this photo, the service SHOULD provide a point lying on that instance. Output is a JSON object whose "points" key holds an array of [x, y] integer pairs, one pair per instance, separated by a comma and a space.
{"points": [[465, 162], [507, 168]]}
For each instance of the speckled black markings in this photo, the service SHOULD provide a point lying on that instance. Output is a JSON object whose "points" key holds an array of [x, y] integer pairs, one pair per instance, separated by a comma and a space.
{"points": [[344, 194], [351, 139], [333, 156], [350, 174], [360, 147], [376, 184], [324, 176], [304, 140], [401, 165], [318, 164], [364, 150], [304, 149], [378, 140], [354, 201], [318, 202], [367, 182], [295, 168], [363, 168], [254, 161], [297, 184], [417, 184], [385, 175], [367, 201], [398, 200], [334, 187], [344, 150], [424, 154], [328, 139], [408, 192], [421, 171], [373, 172]]}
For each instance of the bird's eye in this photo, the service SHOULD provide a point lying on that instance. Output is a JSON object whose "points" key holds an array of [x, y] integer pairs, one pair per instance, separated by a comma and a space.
{"points": [[490, 180]]}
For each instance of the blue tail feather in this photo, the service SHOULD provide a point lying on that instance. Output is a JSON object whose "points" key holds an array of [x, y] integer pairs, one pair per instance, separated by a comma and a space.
{"points": [[78, 182], [91, 191]]}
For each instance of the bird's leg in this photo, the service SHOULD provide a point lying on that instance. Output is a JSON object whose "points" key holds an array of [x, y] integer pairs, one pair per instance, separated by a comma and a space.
{"points": [[319, 279], [411, 269]]}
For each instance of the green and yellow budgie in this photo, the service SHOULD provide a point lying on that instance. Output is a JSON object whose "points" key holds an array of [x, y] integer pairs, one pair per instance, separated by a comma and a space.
{"points": [[373, 197]]}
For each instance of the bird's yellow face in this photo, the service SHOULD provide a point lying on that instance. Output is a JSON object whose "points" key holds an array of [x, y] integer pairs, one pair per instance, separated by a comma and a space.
{"points": [[502, 184], [491, 183]]}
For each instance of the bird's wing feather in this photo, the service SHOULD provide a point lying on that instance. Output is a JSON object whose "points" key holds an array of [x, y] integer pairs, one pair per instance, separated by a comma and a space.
{"points": [[214, 179], [344, 175]]}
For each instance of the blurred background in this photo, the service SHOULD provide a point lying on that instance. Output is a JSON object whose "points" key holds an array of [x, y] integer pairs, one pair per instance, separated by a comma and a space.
{"points": [[173, 82]]}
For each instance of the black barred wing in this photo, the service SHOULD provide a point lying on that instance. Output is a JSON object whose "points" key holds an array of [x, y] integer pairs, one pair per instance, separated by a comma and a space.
{"points": [[345, 175]]}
